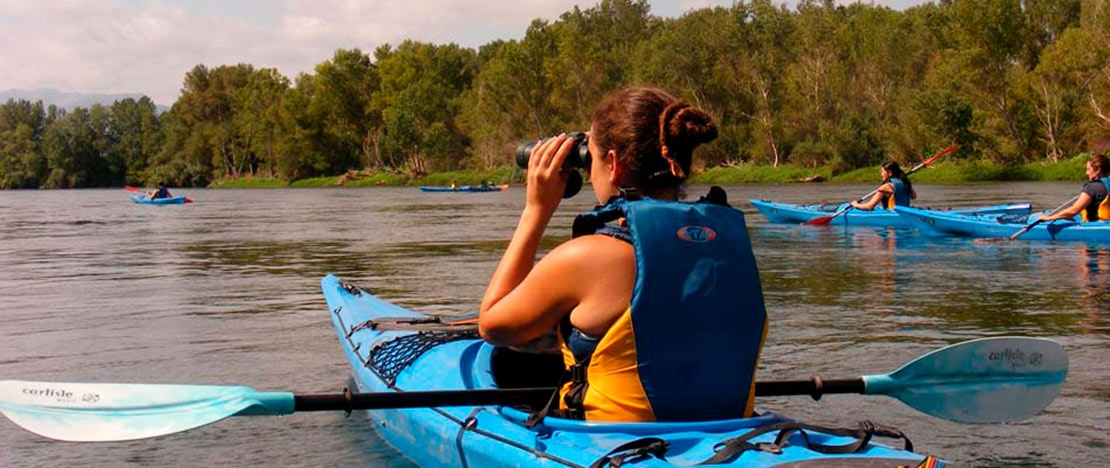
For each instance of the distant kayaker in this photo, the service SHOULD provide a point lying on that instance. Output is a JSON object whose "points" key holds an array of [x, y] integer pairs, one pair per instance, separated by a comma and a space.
{"points": [[895, 191], [1093, 203], [160, 192], [699, 326]]}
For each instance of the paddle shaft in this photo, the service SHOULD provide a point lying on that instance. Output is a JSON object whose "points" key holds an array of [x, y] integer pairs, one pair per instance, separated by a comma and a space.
{"points": [[530, 396]]}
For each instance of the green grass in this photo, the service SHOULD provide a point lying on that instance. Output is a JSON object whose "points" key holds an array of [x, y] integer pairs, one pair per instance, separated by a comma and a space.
{"points": [[954, 171], [757, 174], [941, 172], [245, 183], [503, 175]]}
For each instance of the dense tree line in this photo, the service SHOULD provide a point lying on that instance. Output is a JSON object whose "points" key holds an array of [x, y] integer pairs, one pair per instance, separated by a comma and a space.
{"points": [[1011, 81]]}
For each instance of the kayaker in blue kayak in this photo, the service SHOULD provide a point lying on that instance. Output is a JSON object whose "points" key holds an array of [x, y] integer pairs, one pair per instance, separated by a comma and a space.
{"points": [[1093, 202], [683, 273], [895, 191], [160, 192]]}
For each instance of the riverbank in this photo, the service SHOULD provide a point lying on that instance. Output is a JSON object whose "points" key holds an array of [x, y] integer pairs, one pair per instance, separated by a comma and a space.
{"points": [[941, 172]]}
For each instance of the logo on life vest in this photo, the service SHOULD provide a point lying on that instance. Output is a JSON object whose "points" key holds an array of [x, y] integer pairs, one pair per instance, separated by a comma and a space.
{"points": [[697, 234]]}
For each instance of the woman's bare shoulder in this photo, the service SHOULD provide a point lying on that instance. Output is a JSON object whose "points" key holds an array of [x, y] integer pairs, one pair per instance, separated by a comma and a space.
{"points": [[593, 248]]}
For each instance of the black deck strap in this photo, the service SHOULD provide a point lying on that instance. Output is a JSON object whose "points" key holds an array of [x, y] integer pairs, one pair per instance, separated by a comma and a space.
{"points": [[730, 449], [538, 416], [468, 424], [862, 439], [888, 432], [633, 451]]}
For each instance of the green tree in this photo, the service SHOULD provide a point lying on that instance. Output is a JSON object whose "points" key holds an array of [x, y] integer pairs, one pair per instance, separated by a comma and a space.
{"points": [[420, 97], [257, 119], [136, 131], [22, 125], [342, 101]]}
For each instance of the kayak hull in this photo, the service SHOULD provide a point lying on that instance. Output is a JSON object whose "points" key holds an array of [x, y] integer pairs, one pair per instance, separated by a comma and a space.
{"points": [[797, 214], [145, 200], [496, 436], [464, 188], [1006, 226]]}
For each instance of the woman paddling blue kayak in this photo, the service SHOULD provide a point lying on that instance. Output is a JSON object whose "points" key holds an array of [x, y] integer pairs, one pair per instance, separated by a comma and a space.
{"points": [[159, 196]]}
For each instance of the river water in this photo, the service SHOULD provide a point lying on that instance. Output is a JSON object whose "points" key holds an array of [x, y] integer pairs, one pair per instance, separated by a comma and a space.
{"points": [[225, 291]]}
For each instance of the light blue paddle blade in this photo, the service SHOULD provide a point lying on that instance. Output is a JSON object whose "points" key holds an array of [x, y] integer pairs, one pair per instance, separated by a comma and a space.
{"points": [[980, 381], [91, 412]]}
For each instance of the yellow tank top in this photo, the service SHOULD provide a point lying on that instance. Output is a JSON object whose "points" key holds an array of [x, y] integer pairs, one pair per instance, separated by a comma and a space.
{"points": [[615, 392]]}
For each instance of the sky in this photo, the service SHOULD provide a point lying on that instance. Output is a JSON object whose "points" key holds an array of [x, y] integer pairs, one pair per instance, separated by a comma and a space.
{"points": [[147, 46]]}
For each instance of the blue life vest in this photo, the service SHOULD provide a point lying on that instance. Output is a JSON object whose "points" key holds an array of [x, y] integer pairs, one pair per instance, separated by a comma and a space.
{"points": [[901, 196], [696, 320], [1098, 210]]}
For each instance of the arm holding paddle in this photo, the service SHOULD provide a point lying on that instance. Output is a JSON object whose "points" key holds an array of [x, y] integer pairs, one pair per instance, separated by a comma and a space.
{"points": [[1068, 212], [876, 197]]}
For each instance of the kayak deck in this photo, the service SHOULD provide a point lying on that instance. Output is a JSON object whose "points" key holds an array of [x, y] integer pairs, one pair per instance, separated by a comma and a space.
{"points": [[145, 200], [439, 357], [795, 214], [1006, 226]]}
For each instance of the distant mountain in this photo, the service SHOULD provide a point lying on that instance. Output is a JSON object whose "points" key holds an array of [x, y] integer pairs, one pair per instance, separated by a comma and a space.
{"points": [[68, 100]]}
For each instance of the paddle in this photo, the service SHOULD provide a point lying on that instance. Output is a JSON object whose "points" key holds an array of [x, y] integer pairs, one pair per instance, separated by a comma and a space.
{"points": [[825, 220], [1041, 218], [984, 380]]}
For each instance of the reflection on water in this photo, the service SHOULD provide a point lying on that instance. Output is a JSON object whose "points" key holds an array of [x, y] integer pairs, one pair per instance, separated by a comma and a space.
{"points": [[226, 291]]}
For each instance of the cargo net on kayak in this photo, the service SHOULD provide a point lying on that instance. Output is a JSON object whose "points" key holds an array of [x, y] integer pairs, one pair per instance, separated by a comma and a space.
{"points": [[1012, 218], [388, 358]]}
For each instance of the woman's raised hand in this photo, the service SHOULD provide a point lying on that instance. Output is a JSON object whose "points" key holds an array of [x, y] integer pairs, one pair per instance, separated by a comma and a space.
{"points": [[546, 176]]}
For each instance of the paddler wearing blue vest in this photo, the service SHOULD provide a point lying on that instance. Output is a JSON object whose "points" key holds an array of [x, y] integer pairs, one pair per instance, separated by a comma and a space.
{"points": [[657, 303], [895, 191], [1093, 202]]}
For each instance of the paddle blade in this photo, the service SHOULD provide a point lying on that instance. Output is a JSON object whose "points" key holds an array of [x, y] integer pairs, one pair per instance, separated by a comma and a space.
{"points": [[979, 381], [822, 221], [131, 189], [89, 412], [188, 200]]}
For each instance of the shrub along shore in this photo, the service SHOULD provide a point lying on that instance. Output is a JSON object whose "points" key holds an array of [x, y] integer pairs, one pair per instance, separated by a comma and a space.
{"points": [[941, 172]]}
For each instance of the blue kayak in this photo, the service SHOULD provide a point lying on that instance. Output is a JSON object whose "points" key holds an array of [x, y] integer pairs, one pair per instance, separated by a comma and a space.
{"points": [[393, 349], [1007, 225], [797, 214], [146, 200], [464, 188]]}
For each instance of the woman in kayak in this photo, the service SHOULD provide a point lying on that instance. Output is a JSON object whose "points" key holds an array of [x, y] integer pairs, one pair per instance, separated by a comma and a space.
{"points": [[895, 191], [160, 192], [697, 308], [1093, 202]]}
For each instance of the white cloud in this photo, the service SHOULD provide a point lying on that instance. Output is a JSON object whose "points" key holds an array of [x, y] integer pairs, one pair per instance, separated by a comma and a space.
{"points": [[147, 46]]}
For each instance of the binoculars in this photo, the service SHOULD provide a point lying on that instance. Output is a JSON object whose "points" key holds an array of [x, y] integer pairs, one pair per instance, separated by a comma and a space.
{"points": [[579, 158]]}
